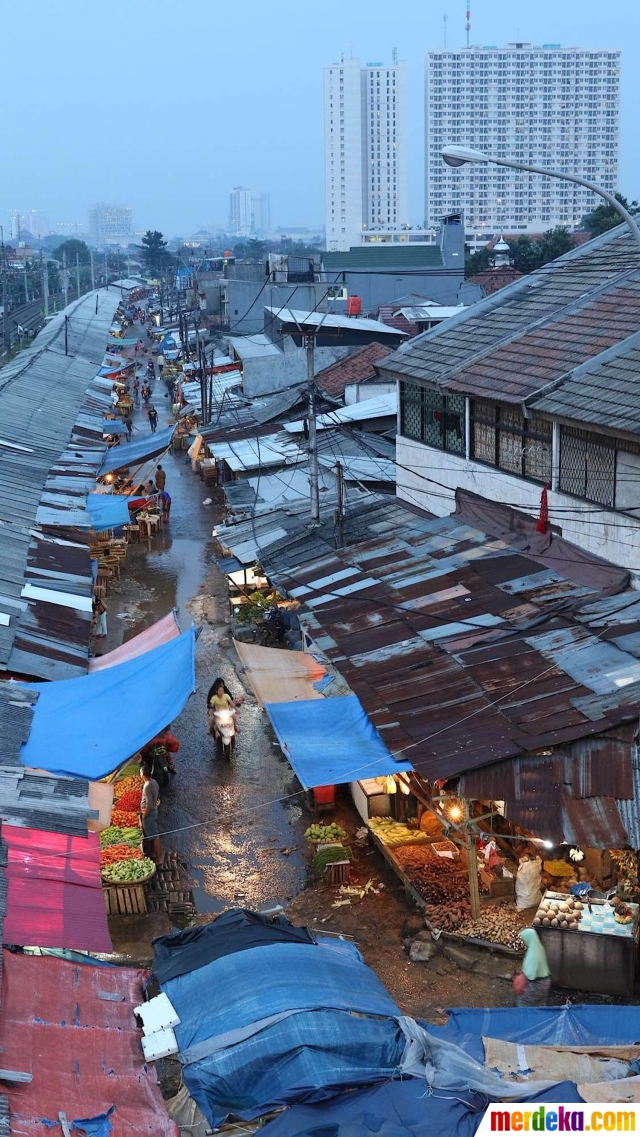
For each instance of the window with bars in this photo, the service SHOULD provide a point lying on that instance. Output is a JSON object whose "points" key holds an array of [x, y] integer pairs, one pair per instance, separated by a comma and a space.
{"points": [[601, 469], [437, 420], [503, 437]]}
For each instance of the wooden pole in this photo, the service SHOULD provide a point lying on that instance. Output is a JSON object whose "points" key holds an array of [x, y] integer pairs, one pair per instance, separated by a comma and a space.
{"points": [[470, 845]]}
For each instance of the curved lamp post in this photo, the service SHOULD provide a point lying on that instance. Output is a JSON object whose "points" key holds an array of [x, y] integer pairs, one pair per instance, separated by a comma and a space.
{"points": [[462, 155]]}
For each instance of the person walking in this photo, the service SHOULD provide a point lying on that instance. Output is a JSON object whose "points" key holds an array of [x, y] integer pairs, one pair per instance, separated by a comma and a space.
{"points": [[161, 478], [533, 983], [149, 814], [153, 418], [99, 617]]}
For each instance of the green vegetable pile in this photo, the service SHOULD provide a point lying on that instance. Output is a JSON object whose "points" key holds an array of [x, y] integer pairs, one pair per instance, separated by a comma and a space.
{"points": [[114, 835], [329, 855], [325, 833], [129, 771], [126, 872]]}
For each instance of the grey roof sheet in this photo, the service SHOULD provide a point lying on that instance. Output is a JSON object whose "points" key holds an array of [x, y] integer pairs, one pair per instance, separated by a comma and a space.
{"points": [[523, 337], [603, 392], [16, 715]]}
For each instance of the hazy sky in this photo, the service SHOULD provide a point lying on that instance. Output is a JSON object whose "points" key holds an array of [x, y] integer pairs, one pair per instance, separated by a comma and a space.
{"points": [[166, 105]]}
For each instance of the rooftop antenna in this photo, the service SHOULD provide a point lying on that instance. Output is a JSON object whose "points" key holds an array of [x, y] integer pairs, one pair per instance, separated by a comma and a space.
{"points": [[467, 26], [444, 20], [394, 57]]}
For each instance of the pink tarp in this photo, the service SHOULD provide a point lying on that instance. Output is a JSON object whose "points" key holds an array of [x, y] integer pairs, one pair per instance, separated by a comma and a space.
{"points": [[159, 633], [71, 1026], [54, 891]]}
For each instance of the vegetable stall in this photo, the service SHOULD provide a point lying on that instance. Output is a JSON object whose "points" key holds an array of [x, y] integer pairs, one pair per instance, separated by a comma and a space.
{"points": [[123, 867]]}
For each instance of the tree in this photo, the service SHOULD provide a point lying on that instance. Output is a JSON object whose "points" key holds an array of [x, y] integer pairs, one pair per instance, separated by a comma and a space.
{"points": [[253, 249], [71, 247], [528, 253], [154, 251], [605, 217], [476, 262]]}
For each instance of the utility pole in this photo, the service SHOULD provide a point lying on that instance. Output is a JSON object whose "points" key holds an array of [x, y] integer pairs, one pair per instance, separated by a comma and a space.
{"points": [[78, 274], [313, 445], [26, 285], [6, 327], [340, 511], [93, 273], [106, 271], [66, 335], [44, 264], [65, 282]]}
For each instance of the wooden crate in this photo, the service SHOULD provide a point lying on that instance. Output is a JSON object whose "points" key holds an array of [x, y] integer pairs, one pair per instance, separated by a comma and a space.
{"points": [[125, 899], [337, 872]]}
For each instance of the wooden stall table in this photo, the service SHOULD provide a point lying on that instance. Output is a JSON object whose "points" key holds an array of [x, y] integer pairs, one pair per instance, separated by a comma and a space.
{"points": [[149, 524]]}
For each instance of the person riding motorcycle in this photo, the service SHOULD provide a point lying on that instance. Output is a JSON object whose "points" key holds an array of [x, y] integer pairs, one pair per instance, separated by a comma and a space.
{"points": [[158, 752], [219, 698]]}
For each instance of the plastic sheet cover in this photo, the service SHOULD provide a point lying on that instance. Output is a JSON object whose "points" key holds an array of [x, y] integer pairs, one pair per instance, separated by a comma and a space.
{"points": [[107, 511], [87, 727], [278, 676], [331, 741], [161, 632]]}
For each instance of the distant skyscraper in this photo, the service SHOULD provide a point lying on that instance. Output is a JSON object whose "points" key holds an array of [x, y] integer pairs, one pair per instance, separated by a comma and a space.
{"points": [[240, 212], [260, 213], [24, 221], [110, 224], [542, 106], [365, 148]]}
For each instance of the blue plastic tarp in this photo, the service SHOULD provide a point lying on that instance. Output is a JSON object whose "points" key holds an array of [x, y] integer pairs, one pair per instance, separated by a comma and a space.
{"points": [[577, 1025], [87, 727], [133, 453], [107, 511], [398, 1109], [331, 741], [279, 1026]]}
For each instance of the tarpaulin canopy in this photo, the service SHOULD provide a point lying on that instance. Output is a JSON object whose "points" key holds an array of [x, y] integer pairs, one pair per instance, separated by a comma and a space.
{"points": [[398, 1109], [113, 426], [88, 726], [54, 891], [330, 741], [107, 511], [278, 676], [288, 1020], [71, 1026], [116, 341], [133, 453], [159, 633]]}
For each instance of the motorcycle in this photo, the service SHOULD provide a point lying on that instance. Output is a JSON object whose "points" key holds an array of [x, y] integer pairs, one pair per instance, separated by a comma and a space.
{"points": [[224, 725], [158, 759]]}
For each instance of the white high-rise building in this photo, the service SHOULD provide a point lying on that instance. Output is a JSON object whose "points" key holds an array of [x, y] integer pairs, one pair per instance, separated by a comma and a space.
{"points": [[110, 224], [240, 211], [260, 213], [28, 221], [365, 147], [543, 106]]}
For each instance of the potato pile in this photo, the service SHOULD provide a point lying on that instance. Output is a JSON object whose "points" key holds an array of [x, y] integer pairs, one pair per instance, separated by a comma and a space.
{"points": [[565, 913], [498, 926], [448, 917], [438, 881]]}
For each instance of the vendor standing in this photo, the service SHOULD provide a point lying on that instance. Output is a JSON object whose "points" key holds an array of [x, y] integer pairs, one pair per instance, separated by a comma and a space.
{"points": [[149, 813]]}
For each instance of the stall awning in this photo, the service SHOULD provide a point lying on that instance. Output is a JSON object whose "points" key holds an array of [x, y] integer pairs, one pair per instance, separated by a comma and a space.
{"points": [[107, 511], [329, 741], [54, 891], [115, 341], [113, 426], [278, 676], [89, 726], [133, 453], [161, 632]]}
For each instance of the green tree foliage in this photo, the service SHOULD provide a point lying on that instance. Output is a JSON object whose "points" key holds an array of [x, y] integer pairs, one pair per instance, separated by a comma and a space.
{"points": [[528, 253], [605, 217], [154, 251], [477, 262], [71, 247], [252, 249]]}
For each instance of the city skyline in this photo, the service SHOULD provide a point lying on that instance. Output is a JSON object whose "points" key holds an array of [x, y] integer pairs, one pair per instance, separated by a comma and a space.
{"points": [[270, 132]]}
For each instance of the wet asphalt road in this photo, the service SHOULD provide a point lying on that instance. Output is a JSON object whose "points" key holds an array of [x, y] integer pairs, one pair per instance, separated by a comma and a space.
{"points": [[226, 819]]}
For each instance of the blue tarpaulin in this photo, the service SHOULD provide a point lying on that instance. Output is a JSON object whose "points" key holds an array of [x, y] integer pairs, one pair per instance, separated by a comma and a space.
{"points": [[540, 1026], [330, 741], [107, 511], [86, 727], [280, 1027], [113, 426], [398, 1109], [133, 453]]}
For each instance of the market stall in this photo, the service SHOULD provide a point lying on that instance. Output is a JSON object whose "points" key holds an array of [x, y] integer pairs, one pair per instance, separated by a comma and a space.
{"points": [[123, 867]]}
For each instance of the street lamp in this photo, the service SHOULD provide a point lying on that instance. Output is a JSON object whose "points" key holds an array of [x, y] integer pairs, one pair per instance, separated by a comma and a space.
{"points": [[462, 155]]}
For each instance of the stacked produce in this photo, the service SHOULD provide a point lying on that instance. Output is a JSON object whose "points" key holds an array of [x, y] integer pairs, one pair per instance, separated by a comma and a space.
{"points": [[497, 925], [329, 854], [331, 832], [114, 853], [125, 819], [559, 913], [114, 835], [125, 785], [394, 833], [130, 801], [448, 917], [438, 881], [129, 871]]}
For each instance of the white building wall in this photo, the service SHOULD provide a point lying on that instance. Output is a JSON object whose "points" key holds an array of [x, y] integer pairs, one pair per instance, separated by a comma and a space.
{"points": [[241, 211], [429, 478], [542, 106], [343, 139], [385, 178]]}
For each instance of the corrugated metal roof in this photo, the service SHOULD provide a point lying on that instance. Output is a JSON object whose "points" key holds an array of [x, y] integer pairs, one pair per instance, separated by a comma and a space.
{"points": [[16, 715], [133, 453], [35, 800]]}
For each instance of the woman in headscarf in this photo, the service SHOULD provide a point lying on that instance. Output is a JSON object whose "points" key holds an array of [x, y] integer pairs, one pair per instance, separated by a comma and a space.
{"points": [[533, 983]]}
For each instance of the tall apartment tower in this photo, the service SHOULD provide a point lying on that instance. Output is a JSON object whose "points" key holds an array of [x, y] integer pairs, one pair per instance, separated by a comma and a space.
{"points": [[365, 148], [240, 211], [543, 106], [110, 224]]}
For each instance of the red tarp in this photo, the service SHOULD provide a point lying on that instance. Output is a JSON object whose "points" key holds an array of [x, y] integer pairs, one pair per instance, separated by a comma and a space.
{"points": [[54, 896], [159, 633], [82, 1048]]}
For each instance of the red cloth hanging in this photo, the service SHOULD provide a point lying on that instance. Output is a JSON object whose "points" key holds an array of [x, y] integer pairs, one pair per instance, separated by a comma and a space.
{"points": [[542, 524]]}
